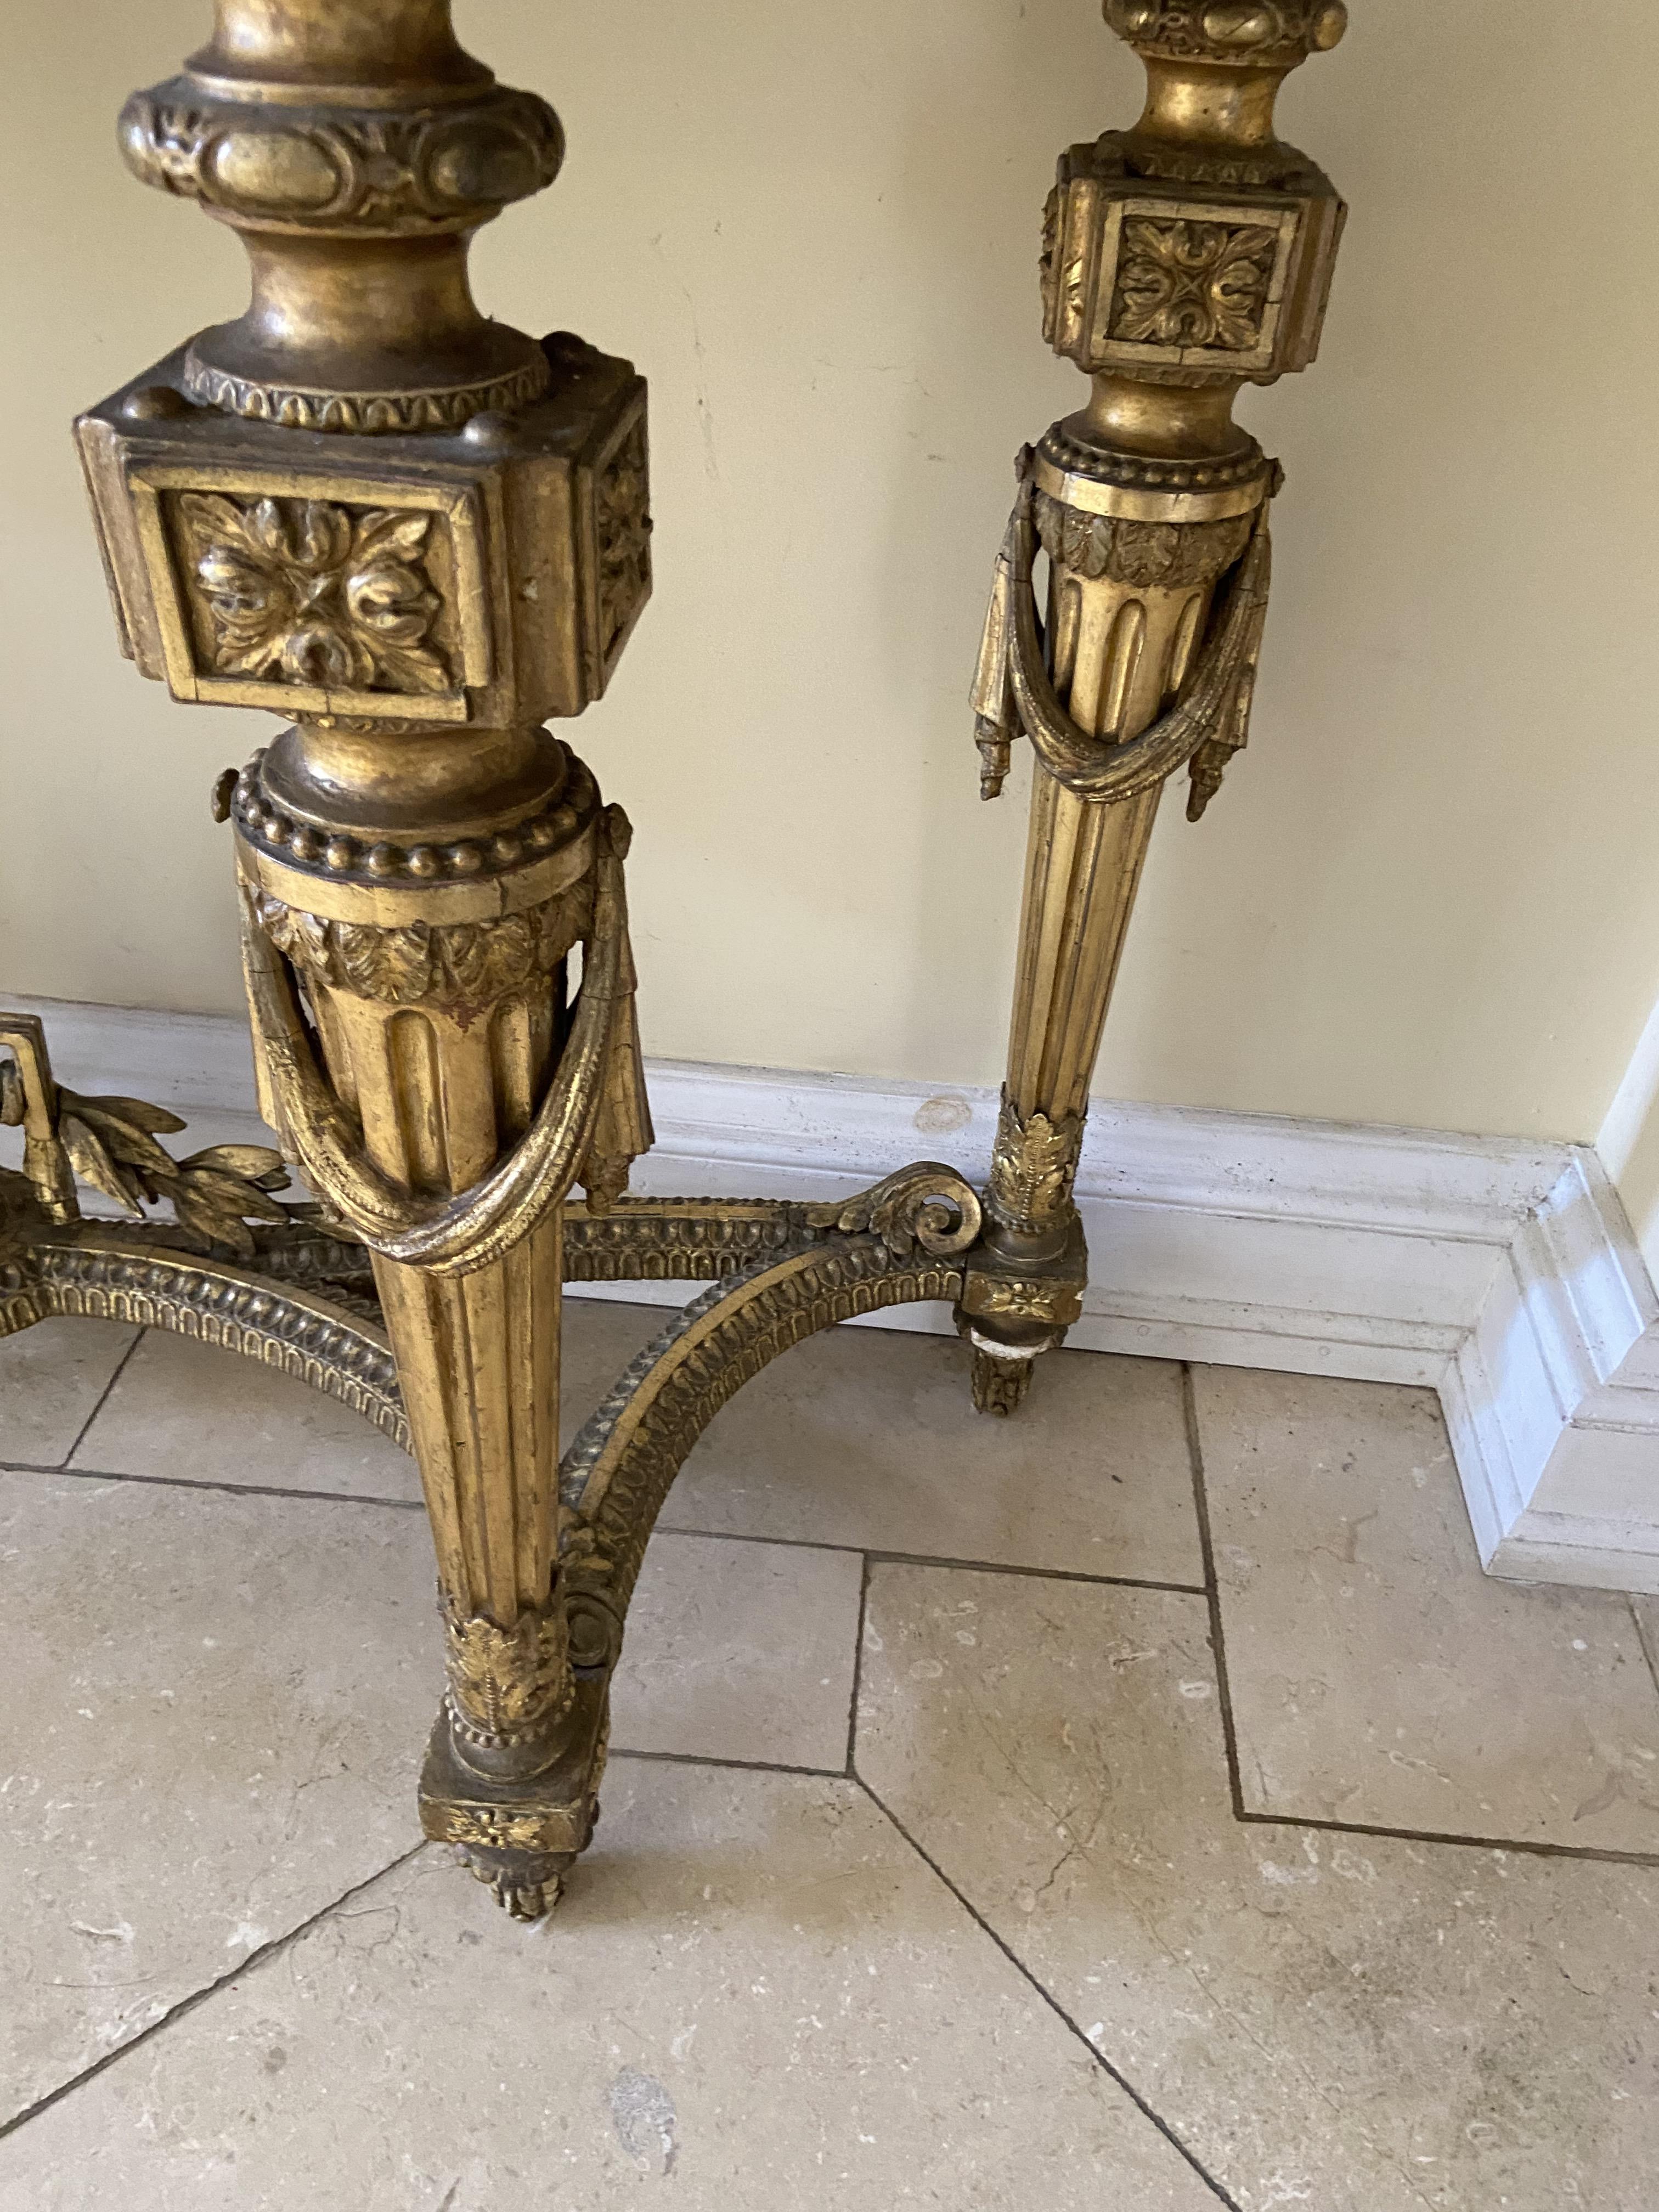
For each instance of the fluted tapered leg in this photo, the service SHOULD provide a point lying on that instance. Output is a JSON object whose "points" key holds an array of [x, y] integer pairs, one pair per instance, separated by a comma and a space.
{"points": [[416, 534], [1180, 258]]}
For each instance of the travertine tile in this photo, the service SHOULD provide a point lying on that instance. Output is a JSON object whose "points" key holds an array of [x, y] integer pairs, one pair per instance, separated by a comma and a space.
{"points": [[50, 1378], [214, 1715], [601, 1336], [738, 1651], [868, 1438], [1646, 1613], [191, 1412], [1377, 1676], [756, 1996], [1358, 2024], [219, 1705]]}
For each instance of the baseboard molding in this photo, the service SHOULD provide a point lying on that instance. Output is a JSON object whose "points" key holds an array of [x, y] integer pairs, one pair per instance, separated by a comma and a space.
{"points": [[1502, 1274]]}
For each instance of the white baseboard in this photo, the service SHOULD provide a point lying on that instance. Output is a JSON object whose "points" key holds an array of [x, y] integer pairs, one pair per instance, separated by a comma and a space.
{"points": [[1502, 1274]]}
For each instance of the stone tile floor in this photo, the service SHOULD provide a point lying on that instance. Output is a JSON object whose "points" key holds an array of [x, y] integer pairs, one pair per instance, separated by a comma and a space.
{"points": [[1144, 1806]]}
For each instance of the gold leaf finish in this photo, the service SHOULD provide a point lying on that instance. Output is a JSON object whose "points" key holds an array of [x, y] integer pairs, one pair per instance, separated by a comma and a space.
{"points": [[433, 907], [1150, 555], [507, 1686], [1192, 284], [305, 591], [456, 963], [623, 513], [1180, 258], [1240, 32], [1033, 1167], [349, 169]]}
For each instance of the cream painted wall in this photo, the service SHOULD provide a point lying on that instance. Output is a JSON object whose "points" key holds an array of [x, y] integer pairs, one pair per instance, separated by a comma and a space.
{"points": [[1428, 895], [1629, 1142]]}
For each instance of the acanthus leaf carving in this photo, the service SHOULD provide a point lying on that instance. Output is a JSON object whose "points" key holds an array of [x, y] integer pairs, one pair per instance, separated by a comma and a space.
{"points": [[1149, 555], [507, 1683], [484, 960], [394, 964], [927, 1203], [1033, 1167], [464, 962]]}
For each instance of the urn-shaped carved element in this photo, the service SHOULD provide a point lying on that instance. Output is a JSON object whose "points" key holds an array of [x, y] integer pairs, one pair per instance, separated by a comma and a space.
{"points": [[1249, 33], [356, 150]]}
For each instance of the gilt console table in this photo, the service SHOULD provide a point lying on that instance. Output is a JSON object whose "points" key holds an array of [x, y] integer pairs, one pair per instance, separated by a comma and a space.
{"points": [[418, 537]]}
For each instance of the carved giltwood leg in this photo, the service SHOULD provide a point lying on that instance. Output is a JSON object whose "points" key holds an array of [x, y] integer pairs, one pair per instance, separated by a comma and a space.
{"points": [[1181, 258], [440, 1012], [1128, 604], [416, 534], [439, 1036]]}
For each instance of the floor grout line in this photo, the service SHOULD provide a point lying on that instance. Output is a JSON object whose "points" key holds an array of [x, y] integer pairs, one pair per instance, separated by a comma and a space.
{"points": [[1648, 1640], [858, 1669], [1505, 1844], [188, 2004], [1210, 1591], [730, 1766], [103, 1398], [1211, 1585], [1099, 2058], [1502, 1844], [876, 1558], [218, 1489], [1245, 1817], [1033, 1574], [743, 1536]]}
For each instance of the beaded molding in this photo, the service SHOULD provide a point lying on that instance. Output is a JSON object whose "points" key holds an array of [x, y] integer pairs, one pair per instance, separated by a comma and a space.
{"points": [[1134, 470], [240, 798]]}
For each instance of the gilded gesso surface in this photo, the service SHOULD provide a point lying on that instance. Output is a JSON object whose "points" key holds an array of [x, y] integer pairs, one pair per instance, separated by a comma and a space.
{"points": [[416, 534]]}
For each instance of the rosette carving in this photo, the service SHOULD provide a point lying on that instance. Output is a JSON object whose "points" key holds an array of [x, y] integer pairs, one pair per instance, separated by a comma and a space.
{"points": [[1184, 284], [623, 516], [300, 591]]}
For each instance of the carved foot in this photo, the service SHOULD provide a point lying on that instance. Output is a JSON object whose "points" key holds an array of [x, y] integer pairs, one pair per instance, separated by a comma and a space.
{"points": [[525, 1885], [1014, 1309], [520, 1837], [1000, 1385]]}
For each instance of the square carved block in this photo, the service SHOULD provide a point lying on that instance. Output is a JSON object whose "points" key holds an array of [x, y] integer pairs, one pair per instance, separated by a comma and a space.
{"points": [[490, 577], [1145, 276]]}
